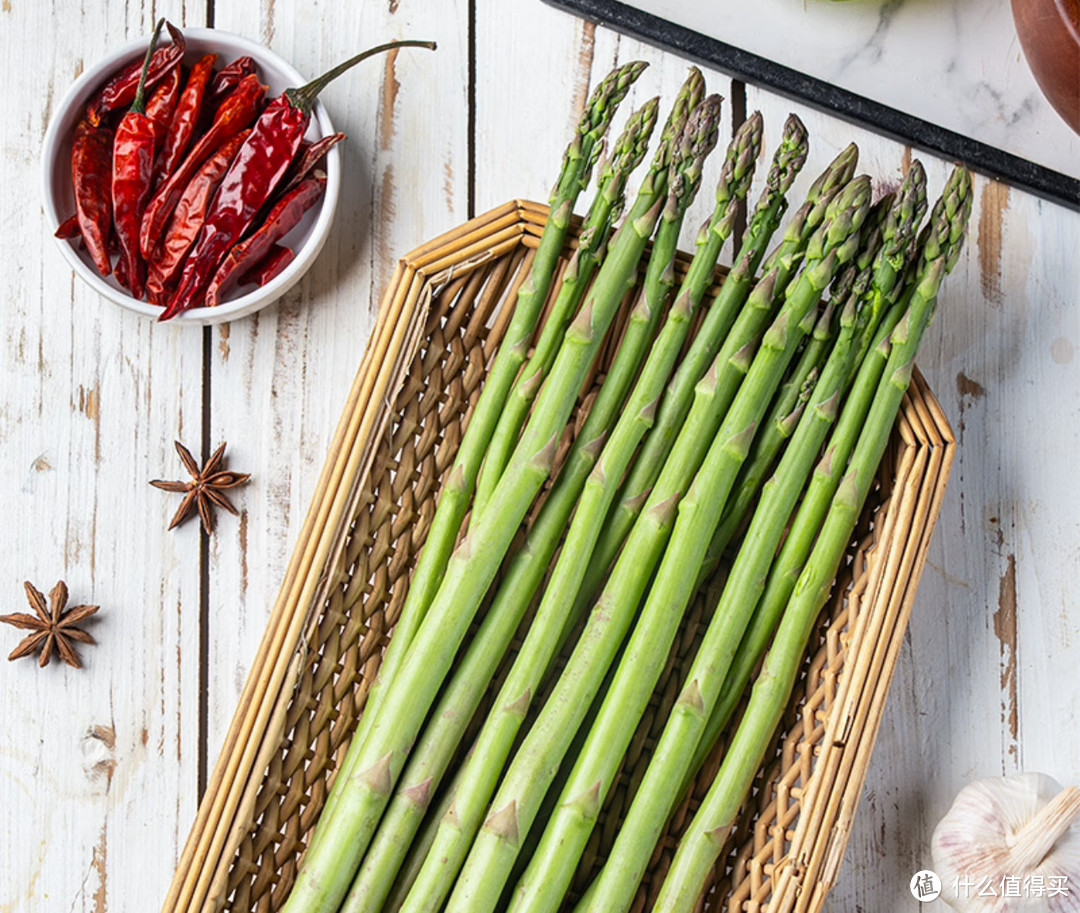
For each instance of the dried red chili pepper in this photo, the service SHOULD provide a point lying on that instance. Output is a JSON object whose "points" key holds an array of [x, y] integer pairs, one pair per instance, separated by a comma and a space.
{"points": [[269, 267], [69, 229], [236, 114], [310, 156], [132, 172], [162, 104], [282, 218], [182, 129], [229, 76], [157, 291], [255, 173], [120, 90], [188, 218], [91, 177], [120, 273]]}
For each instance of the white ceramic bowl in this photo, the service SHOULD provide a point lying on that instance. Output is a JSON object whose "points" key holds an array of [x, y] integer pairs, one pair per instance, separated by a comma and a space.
{"points": [[306, 240]]}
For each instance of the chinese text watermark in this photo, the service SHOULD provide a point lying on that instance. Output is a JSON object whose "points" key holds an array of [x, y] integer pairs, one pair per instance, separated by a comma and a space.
{"points": [[927, 886]]}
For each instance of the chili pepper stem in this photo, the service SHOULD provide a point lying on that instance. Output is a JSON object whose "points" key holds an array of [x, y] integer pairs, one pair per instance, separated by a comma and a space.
{"points": [[139, 105], [120, 91], [304, 97]]}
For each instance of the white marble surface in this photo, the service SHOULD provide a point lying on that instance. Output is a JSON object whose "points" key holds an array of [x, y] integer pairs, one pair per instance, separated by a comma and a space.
{"points": [[955, 63]]}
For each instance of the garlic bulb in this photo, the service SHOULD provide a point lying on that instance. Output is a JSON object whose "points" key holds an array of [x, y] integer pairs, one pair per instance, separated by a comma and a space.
{"points": [[1008, 845]]}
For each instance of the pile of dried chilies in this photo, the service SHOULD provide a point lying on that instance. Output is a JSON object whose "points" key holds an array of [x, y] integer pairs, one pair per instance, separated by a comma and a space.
{"points": [[195, 185], [754, 441]]}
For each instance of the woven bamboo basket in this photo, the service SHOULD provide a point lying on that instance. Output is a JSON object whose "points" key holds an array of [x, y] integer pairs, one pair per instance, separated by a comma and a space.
{"points": [[443, 315]]}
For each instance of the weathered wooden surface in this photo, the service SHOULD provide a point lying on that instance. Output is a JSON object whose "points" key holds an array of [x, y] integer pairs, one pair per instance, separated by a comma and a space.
{"points": [[100, 769]]}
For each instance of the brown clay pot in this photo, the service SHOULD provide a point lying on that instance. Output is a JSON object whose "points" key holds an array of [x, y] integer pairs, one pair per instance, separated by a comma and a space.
{"points": [[1049, 33]]}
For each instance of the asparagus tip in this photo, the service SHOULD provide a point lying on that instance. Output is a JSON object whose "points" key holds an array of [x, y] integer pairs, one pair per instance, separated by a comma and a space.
{"points": [[791, 154], [690, 95], [836, 175], [697, 141], [737, 173]]}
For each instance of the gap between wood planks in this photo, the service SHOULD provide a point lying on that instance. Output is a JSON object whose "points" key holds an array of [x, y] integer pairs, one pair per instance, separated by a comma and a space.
{"points": [[202, 766], [738, 118]]}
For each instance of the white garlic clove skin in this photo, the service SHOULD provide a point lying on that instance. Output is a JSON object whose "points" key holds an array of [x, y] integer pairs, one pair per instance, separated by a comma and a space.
{"points": [[1020, 827]]}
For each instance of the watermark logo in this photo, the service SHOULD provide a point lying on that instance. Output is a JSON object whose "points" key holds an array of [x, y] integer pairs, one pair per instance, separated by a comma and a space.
{"points": [[1037, 885], [925, 886]]}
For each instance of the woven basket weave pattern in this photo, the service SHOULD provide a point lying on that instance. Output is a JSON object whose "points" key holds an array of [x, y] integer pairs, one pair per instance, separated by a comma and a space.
{"points": [[783, 853]]}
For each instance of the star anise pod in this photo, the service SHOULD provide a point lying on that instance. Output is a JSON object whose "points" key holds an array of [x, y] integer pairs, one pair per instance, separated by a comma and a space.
{"points": [[206, 490], [53, 627]]}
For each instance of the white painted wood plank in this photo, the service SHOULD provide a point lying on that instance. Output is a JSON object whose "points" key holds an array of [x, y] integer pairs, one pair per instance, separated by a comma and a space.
{"points": [[534, 71], [280, 379], [99, 765]]}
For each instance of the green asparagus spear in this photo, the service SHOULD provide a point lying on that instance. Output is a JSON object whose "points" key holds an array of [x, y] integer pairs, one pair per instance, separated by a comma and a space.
{"points": [[420, 845], [775, 431], [527, 570], [332, 862], [528, 384], [579, 158], [712, 823], [549, 873], [495, 847], [672, 759], [784, 415], [881, 313], [443, 732], [722, 333], [578, 161], [498, 735]]}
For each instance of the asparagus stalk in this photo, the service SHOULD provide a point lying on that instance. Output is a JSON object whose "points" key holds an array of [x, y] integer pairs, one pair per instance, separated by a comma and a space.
{"points": [[529, 565], [881, 314], [578, 161], [497, 737], [672, 760], [420, 846], [442, 734], [332, 861], [513, 810], [701, 844], [785, 414], [769, 608], [579, 158], [548, 876], [757, 308], [776, 430], [532, 377], [733, 186], [719, 335]]}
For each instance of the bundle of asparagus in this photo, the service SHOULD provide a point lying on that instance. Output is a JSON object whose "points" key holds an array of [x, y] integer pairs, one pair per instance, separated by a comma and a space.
{"points": [[795, 375]]}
